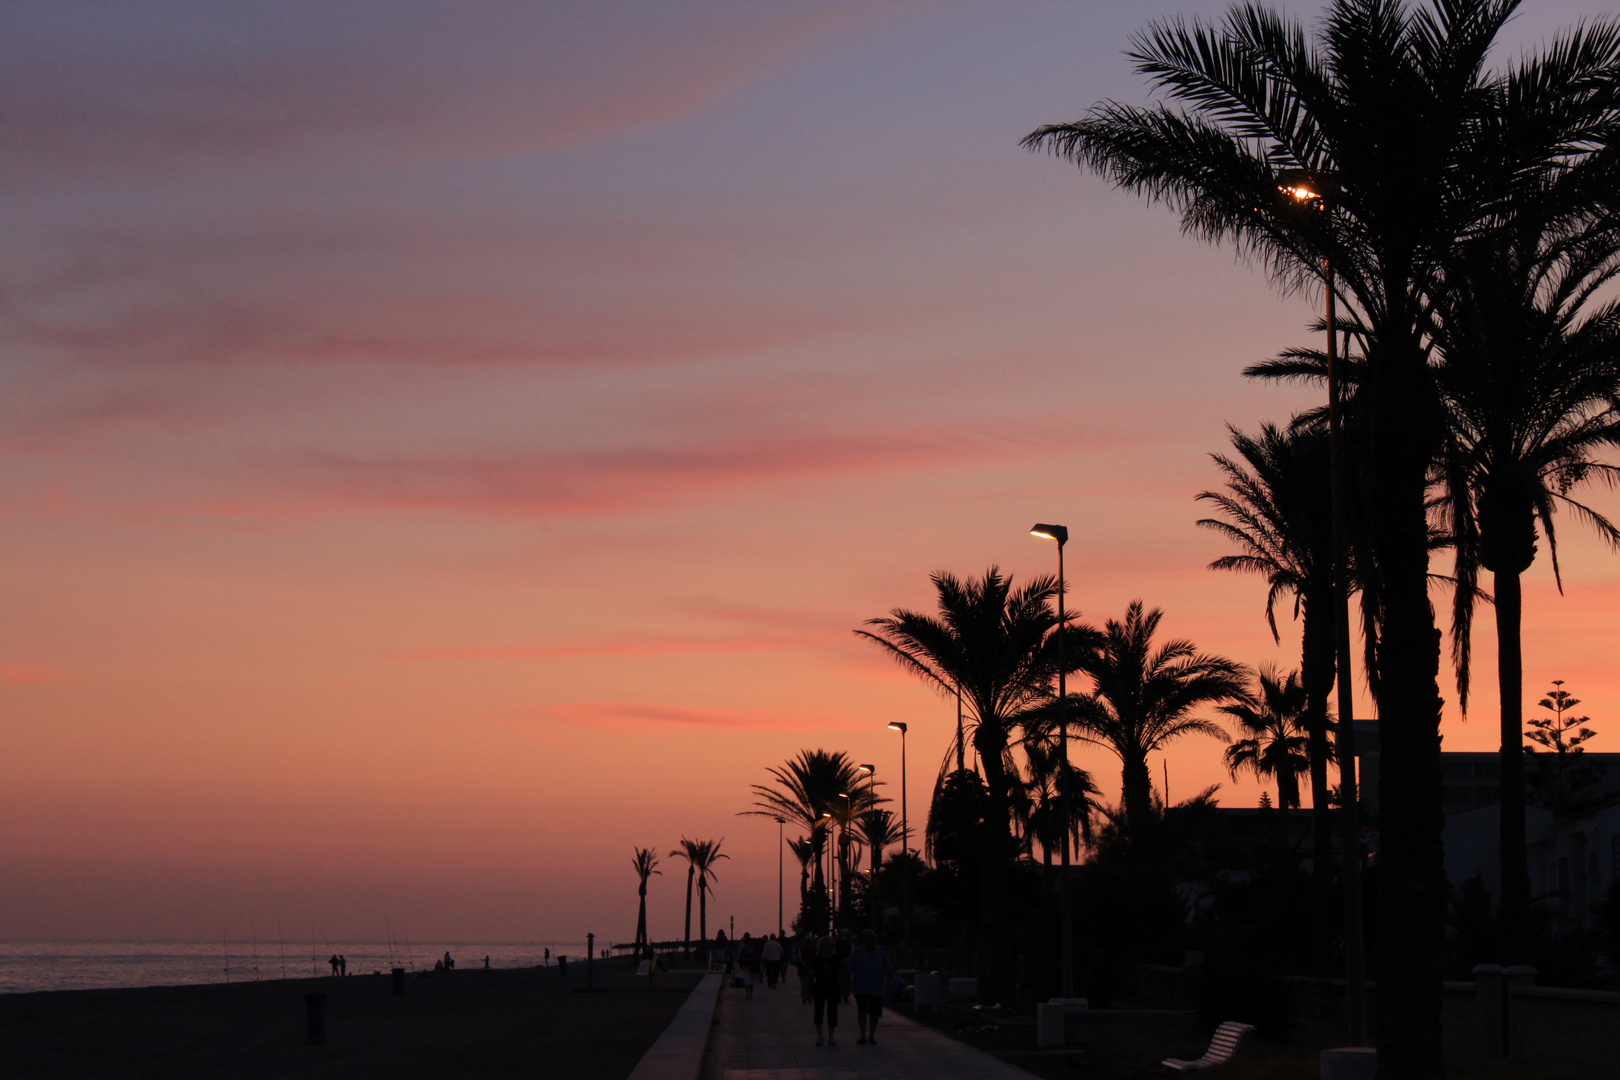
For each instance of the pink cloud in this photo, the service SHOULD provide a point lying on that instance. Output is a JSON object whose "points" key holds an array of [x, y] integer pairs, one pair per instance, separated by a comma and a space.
{"points": [[29, 673], [611, 480], [159, 85], [624, 648], [621, 714]]}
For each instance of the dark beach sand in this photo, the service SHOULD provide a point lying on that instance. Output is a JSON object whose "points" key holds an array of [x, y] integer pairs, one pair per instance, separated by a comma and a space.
{"points": [[469, 1023]]}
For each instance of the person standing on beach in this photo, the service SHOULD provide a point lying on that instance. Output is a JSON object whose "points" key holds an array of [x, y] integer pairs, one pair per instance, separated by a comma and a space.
{"points": [[869, 968], [827, 986], [334, 962], [343, 965], [772, 954]]}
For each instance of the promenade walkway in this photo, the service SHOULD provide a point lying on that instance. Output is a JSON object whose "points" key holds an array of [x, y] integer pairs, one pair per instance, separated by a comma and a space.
{"points": [[771, 1038]]}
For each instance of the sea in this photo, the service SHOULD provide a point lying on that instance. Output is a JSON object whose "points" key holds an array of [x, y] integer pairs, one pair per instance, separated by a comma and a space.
{"points": [[27, 966]]}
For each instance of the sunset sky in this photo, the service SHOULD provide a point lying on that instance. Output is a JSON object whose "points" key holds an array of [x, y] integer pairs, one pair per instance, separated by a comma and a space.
{"points": [[448, 444]]}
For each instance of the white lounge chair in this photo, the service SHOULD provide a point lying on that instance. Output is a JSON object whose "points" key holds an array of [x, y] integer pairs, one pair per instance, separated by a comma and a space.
{"points": [[1222, 1048]]}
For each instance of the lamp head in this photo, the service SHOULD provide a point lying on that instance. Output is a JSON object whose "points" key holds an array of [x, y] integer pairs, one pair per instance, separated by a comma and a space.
{"points": [[1060, 533], [897, 725], [867, 768]]}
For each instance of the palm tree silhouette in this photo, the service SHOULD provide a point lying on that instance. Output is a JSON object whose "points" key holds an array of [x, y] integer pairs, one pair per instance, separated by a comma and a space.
{"points": [[1389, 114], [1274, 743], [1038, 806], [699, 854], [705, 853], [997, 647], [1530, 387], [1277, 509], [1144, 698], [646, 864], [877, 829], [815, 790]]}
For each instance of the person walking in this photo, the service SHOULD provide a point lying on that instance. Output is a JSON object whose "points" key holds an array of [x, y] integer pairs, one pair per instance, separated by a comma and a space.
{"points": [[772, 954], [804, 951], [869, 968], [844, 947], [827, 986], [748, 965]]}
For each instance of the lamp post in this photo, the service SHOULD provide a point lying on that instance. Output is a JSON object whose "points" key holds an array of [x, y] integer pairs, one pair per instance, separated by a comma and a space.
{"points": [[905, 836], [1308, 190], [781, 843], [1060, 533], [828, 877], [871, 839]]}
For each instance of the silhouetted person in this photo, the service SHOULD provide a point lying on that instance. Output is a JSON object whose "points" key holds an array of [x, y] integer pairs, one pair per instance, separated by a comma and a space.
{"points": [[548, 958], [486, 963], [334, 963], [869, 969], [844, 947], [343, 965], [771, 952], [827, 985], [449, 964]]}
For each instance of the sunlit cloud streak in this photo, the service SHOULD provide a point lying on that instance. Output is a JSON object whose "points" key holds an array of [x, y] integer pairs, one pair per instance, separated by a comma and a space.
{"points": [[628, 714]]}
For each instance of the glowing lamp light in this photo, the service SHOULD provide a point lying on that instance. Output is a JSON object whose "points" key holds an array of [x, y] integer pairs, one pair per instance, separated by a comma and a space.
{"points": [[1060, 533], [867, 768], [896, 725]]}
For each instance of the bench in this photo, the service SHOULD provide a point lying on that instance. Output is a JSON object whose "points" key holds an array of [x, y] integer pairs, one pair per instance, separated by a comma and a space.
{"points": [[1222, 1048]]}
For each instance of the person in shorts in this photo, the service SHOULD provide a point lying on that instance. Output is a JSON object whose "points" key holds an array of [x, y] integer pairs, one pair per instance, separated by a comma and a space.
{"points": [[869, 969], [827, 986]]}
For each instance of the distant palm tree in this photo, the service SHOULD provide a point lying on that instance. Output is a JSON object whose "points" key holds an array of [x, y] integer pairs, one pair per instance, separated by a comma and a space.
{"points": [[705, 853], [646, 864], [1144, 697], [1273, 742], [807, 849], [698, 855], [812, 788], [1277, 509], [997, 646], [1039, 806], [877, 829]]}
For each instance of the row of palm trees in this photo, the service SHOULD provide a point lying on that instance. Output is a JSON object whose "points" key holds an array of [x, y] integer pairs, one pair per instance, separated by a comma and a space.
{"points": [[1465, 219], [701, 857]]}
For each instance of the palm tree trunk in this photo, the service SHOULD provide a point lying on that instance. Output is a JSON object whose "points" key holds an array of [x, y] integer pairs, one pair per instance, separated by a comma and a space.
{"points": [[1136, 793], [641, 918], [1515, 880], [687, 933], [1412, 884], [1317, 672], [1287, 790]]}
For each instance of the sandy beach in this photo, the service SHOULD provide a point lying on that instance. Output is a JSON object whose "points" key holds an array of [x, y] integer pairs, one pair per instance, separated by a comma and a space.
{"points": [[460, 1024]]}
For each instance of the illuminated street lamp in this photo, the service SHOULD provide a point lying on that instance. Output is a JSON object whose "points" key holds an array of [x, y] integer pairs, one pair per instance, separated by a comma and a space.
{"points": [[1310, 190], [905, 836], [1060, 533]]}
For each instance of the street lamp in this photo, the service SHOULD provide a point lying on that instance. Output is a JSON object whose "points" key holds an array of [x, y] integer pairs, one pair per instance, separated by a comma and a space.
{"points": [[1311, 191], [1060, 533], [781, 844], [872, 840], [905, 836]]}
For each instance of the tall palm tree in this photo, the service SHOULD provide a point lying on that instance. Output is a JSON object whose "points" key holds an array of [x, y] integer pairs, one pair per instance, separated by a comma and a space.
{"points": [[998, 647], [1277, 509], [877, 829], [1273, 742], [646, 864], [701, 858], [812, 788], [1145, 697], [1389, 113], [1531, 386]]}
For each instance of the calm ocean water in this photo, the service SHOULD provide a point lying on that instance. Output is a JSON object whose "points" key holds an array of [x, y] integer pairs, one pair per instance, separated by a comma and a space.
{"points": [[87, 965]]}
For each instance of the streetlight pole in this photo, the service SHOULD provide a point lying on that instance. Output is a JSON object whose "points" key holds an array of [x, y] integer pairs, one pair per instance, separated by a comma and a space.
{"points": [[1307, 190], [1060, 533], [872, 841], [905, 836], [781, 843]]}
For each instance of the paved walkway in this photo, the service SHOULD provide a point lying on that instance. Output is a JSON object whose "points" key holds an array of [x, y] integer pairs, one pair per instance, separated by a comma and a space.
{"points": [[771, 1038]]}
